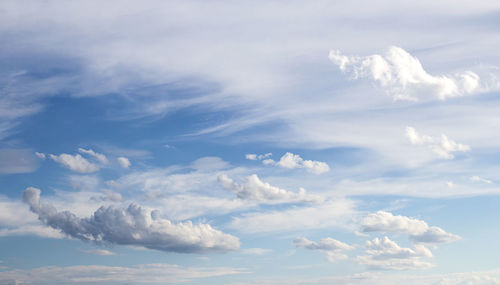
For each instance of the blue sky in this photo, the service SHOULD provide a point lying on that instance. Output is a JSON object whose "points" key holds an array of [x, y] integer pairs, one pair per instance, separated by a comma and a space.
{"points": [[222, 142]]}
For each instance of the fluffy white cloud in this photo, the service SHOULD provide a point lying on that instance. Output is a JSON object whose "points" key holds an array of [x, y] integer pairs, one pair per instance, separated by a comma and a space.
{"points": [[99, 274], [332, 247], [291, 161], [99, 156], [75, 163], [418, 230], [388, 255], [252, 188], [132, 226], [124, 162], [442, 146], [403, 76]]}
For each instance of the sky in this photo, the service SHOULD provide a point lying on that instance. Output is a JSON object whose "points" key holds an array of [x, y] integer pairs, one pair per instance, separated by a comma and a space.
{"points": [[249, 142]]}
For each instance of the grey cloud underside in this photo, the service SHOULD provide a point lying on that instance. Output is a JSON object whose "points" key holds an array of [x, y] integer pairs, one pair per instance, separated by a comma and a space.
{"points": [[133, 225]]}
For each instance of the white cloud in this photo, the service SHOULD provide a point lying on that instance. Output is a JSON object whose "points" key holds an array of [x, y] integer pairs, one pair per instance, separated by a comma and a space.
{"points": [[102, 252], [403, 76], [75, 163], [99, 156], [332, 247], [291, 161], [388, 255], [418, 230], [335, 213], [124, 162], [100, 274], [40, 155], [252, 156], [443, 146], [252, 188], [479, 179], [132, 226]]}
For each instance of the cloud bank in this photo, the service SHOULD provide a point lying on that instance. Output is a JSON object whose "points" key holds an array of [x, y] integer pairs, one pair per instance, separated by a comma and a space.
{"points": [[132, 226]]}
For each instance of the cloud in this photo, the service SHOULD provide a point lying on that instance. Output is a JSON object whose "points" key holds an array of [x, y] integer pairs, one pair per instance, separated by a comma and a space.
{"points": [[388, 255], [418, 230], [256, 251], [254, 189], [102, 252], [252, 156], [479, 179], [17, 161], [443, 146], [75, 163], [403, 76], [332, 247], [132, 226], [291, 161], [40, 155], [99, 156], [100, 274], [124, 162], [335, 213]]}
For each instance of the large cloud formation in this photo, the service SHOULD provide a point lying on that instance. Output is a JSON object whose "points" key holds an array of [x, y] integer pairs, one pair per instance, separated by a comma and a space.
{"points": [[132, 226], [403, 76], [418, 230]]}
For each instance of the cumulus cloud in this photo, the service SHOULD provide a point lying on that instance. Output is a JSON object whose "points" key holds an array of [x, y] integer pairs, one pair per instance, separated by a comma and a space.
{"points": [[133, 225], [332, 247], [291, 161], [124, 162], [403, 76], [99, 156], [388, 255], [75, 163], [252, 188], [418, 230], [100, 274], [443, 146]]}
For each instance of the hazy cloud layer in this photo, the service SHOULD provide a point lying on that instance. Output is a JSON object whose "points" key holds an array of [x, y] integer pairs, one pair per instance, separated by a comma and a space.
{"points": [[132, 226]]}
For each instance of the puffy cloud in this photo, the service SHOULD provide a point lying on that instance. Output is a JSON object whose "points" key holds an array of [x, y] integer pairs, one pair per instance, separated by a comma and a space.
{"points": [[124, 162], [254, 189], [132, 226], [100, 274], [332, 247], [99, 156], [418, 230], [442, 146], [75, 163], [403, 76], [388, 255], [291, 161]]}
